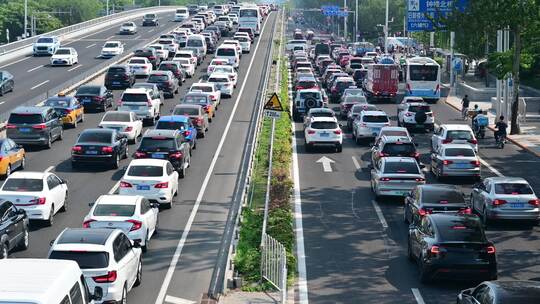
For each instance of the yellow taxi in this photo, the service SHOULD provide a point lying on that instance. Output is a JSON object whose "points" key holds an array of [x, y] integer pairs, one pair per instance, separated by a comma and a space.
{"points": [[12, 156], [68, 107]]}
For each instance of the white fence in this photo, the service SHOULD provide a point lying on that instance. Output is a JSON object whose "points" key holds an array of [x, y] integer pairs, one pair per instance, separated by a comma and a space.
{"points": [[274, 264]]}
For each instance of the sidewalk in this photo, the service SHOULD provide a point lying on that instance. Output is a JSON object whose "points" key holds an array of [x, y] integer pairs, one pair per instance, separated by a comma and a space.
{"points": [[530, 137], [241, 297]]}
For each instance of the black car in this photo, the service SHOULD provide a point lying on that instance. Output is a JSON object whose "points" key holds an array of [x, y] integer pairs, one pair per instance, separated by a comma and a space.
{"points": [[150, 54], [434, 198], [166, 144], [210, 45], [119, 76], [451, 246], [166, 82], [223, 29], [99, 146], [94, 97], [150, 19], [13, 228], [501, 292], [6, 82], [215, 29], [193, 9], [176, 68]]}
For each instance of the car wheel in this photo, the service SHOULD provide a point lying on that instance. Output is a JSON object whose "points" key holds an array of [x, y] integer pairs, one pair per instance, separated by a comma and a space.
{"points": [[74, 124], [339, 148], [125, 156], [425, 278], [2, 91], [182, 172], [25, 241], [116, 161], [61, 135], [410, 255], [23, 163], [123, 300], [65, 207], [138, 280], [146, 243], [50, 221], [8, 171], [485, 219], [4, 251], [48, 144]]}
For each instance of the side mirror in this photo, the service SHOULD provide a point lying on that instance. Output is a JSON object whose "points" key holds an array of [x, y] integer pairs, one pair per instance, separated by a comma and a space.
{"points": [[98, 294], [137, 244], [155, 205], [416, 144], [91, 204], [21, 211]]}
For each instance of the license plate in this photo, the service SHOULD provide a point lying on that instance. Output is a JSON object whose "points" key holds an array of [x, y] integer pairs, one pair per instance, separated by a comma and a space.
{"points": [[91, 152], [158, 155], [461, 166], [517, 205], [116, 82], [325, 134], [134, 107], [25, 130], [376, 130], [143, 187]]}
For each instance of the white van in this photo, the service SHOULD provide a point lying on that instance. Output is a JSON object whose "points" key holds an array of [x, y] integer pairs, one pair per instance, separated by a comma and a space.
{"points": [[41, 281], [181, 14], [197, 41], [229, 52]]}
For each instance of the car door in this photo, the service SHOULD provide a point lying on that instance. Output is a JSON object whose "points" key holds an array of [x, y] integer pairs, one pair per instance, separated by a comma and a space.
{"points": [[122, 263], [435, 138], [56, 123], [6, 223], [57, 191], [130, 260], [149, 214], [13, 224]]}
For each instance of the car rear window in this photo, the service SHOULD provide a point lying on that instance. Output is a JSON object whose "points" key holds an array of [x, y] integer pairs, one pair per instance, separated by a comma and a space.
{"points": [[399, 148], [86, 260], [401, 167], [164, 144], [394, 133], [321, 114], [205, 89], [218, 79], [306, 95], [441, 196], [90, 90], [322, 125], [134, 97], [419, 108], [465, 135], [137, 61], [306, 83], [171, 125], [226, 52], [195, 99], [23, 184], [115, 209], [62, 52], [95, 137], [57, 102], [44, 40], [194, 42], [158, 78], [459, 152], [375, 118], [117, 116], [513, 188], [25, 118], [460, 230], [186, 111], [152, 171], [116, 70]]}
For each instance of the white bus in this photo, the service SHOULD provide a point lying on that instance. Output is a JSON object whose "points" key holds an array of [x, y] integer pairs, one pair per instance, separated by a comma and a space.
{"points": [[423, 78], [250, 16]]}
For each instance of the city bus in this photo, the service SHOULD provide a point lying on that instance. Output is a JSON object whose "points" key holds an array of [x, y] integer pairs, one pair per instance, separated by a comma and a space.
{"points": [[250, 16], [422, 78]]}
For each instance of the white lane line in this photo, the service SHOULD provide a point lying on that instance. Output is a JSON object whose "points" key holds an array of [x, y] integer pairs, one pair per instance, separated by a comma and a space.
{"points": [[356, 163], [114, 188], [75, 67], [379, 214], [2, 102], [176, 256], [417, 296], [150, 31], [177, 300], [91, 45], [33, 69], [17, 61], [485, 163], [49, 169], [38, 85], [137, 37], [110, 37]]}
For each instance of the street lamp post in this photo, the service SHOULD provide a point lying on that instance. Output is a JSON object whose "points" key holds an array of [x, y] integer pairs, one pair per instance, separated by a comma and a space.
{"points": [[356, 23], [25, 17], [386, 30]]}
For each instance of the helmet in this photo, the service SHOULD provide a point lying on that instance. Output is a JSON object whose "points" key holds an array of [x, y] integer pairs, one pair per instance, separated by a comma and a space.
{"points": [[501, 117]]}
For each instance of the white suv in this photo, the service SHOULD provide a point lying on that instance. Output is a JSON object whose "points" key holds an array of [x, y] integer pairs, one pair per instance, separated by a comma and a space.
{"points": [[106, 257], [416, 115], [323, 131], [141, 103], [368, 125], [453, 134]]}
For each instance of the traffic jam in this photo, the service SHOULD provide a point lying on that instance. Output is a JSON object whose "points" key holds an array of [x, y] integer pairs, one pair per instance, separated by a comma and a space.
{"points": [[382, 107], [154, 146]]}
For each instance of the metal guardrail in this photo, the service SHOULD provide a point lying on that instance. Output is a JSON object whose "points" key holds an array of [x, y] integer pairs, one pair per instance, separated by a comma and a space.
{"points": [[23, 43]]}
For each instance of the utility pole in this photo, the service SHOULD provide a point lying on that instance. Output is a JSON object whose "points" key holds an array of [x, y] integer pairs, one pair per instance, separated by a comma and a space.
{"points": [[386, 30], [345, 19], [356, 23], [25, 18], [107, 8]]}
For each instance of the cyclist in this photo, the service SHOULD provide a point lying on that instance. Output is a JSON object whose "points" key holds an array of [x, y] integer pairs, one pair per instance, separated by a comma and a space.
{"points": [[465, 106]]}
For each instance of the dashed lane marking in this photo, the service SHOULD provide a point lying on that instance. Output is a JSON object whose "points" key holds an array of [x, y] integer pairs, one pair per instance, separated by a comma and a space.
{"points": [[379, 214], [33, 69], [38, 85], [417, 296]]}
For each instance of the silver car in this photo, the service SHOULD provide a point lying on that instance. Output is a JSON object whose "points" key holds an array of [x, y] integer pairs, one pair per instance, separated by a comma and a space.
{"points": [[509, 198], [128, 28], [455, 160], [368, 125], [396, 176]]}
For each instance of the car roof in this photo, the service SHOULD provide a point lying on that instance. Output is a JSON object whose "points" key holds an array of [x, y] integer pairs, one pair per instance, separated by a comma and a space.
{"points": [[31, 110], [516, 290], [161, 133], [125, 199], [98, 130], [218, 75], [188, 105], [28, 174], [417, 104], [94, 236], [136, 90], [320, 110], [323, 119], [395, 139], [174, 118], [438, 187], [309, 91], [457, 146], [396, 159], [374, 113], [456, 127], [447, 218], [394, 128], [506, 179]]}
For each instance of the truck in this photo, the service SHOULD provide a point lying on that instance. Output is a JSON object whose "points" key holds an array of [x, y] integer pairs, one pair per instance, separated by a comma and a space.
{"points": [[381, 82]]}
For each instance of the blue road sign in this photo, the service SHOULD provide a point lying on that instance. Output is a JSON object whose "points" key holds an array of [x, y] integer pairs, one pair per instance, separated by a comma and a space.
{"points": [[330, 10], [419, 12]]}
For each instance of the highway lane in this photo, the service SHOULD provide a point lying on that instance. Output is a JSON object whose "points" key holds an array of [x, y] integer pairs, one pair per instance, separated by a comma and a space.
{"points": [[88, 183], [33, 76]]}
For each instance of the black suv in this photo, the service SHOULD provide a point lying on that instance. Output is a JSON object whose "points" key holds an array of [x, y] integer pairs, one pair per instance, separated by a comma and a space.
{"points": [[35, 126], [119, 76], [166, 144], [94, 97], [150, 19], [176, 68], [150, 54], [13, 228]]}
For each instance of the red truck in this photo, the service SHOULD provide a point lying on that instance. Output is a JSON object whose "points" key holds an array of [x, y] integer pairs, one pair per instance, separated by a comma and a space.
{"points": [[381, 82]]}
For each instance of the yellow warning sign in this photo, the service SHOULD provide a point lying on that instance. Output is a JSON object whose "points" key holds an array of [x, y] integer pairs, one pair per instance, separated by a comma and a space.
{"points": [[273, 104]]}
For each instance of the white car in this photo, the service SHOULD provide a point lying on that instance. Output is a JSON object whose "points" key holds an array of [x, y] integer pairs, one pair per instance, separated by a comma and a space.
{"points": [[229, 70], [323, 131], [234, 18], [140, 66], [135, 215], [453, 134], [187, 55], [128, 28], [229, 52], [65, 56], [187, 65], [161, 51], [243, 34], [223, 83], [393, 131], [111, 49], [416, 115], [368, 125], [107, 257], [169, 44], [155, 179], [245, 43], [215, 63], [40, 194], [395, 176], [208, 88], [124, 122], [236, 43], [141, 102], [453, 160], [318, 112]]}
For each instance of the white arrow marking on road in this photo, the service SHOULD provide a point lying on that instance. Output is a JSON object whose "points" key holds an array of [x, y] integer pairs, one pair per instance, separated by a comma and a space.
{"points": [[176, 300], [326, 163]]}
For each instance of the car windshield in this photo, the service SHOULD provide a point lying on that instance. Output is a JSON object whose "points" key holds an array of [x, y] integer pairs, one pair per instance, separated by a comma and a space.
{"points": [[85, 259], [151, 171], [62, 52], [127, 24], [57, 102], [223, 69], [462, 152], [513, 188], [321, 114], [376, 118], [90, 90], [463, 135], [133, 97], [45, 40], [158, 78], [95, 137], [306, 95], [117, 116], [23, 185], [461, 229], [186, 111], [440, 196], [393, 167], [194, 43], [324, 125], [171, 125], [114, 209], [354, 92], [15, 118], [150, 143], [399, 148]]}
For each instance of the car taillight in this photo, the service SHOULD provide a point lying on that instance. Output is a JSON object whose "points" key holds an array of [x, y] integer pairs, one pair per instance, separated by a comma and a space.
{"points": [[187, 133], [447, 162], [135, 225], [381, 154], [107, 149], [38, 201], [408, 114], [163, 185], [311, 131], [151, 57], [465, 211], [473, 141], [40, 126], [423, 212], [68, 111], [213, 98], [108, 278], [86, 224], [535, 202], [207, 108], [420, 179], [198, 121], [76, 149], [384, 179], [490, 249], [446, 141], [337, 131], [10, 126], [128, 129], [498, 202], [416, 155], [475, 163], [435, 249], [176, 155], [140, 154], [125, 185], [98, 98]]}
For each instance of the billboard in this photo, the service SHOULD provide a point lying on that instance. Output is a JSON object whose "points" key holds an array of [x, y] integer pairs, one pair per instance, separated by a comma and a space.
{"points": [[419, 12]]}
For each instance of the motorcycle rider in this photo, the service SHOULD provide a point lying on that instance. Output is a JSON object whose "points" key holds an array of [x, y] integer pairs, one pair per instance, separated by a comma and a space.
{"points": [[501, 127], [479, 121]]}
